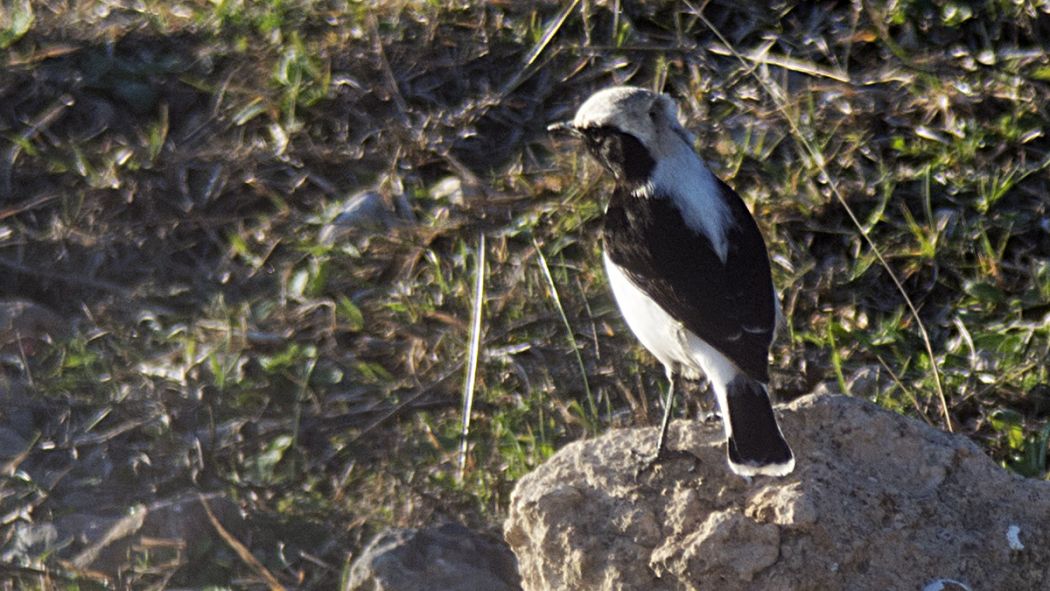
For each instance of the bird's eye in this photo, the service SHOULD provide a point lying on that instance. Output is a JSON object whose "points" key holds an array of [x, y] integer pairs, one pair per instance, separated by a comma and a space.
{"points": [[653, 113]]}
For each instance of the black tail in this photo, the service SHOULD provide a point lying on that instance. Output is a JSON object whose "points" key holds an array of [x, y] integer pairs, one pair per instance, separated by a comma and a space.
{"points": [[756, 445]]}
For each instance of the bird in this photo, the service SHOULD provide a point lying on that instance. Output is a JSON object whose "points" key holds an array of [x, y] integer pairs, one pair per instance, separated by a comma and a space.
{"points": [[688, 268]]}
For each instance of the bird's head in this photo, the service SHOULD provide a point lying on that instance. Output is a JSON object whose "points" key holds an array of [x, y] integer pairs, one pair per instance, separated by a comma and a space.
{"points": [[629, 130]]}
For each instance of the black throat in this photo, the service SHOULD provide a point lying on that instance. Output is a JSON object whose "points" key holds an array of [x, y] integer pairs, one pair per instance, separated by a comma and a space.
{"points": [[622, 153]]}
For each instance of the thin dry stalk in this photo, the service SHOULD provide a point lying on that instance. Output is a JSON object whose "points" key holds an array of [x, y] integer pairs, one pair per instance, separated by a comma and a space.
{"points": [[475, 348], [778, 99], [242, 552], [527, 69], [551, 31]]}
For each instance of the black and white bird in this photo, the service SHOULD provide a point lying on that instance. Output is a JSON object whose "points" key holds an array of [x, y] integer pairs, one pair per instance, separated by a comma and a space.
{"points": [[688, 267]]}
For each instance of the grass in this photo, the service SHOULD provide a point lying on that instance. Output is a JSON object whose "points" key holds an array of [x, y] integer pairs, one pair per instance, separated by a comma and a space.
{"points": [[169, 173]]}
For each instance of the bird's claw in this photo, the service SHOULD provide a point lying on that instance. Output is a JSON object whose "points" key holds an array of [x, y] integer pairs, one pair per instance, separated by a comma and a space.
{"points": [[647, 462]]}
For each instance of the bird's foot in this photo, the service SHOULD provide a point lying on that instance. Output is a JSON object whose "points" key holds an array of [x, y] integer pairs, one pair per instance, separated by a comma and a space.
{"points": [[710, 416], [647, 462]]}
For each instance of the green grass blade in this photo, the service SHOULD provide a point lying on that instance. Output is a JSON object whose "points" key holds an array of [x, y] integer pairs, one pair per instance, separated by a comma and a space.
{"points": [[592, 406]]}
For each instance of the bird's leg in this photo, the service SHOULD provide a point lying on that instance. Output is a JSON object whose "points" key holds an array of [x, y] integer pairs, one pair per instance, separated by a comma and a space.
{"points": [[662, 453], [661, 443], [709, 411]]}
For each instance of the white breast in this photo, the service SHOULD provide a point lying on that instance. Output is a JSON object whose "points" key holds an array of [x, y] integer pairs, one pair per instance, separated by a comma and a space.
{"points": [[664, 337]]}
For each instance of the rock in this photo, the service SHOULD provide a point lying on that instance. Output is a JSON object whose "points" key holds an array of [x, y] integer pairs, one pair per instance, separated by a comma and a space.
{"points": [[102, 543], [23, 413], [449, 190], [27, 543], [25, 324], [450, 557], [11, 443], [869, 381], [366, 211], [876, 501]]}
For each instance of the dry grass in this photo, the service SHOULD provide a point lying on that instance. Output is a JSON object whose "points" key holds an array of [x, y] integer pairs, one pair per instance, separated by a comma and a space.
{"points": [[168, 172]]}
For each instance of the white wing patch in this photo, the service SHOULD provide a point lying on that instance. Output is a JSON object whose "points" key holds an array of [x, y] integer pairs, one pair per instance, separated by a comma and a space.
{"points": [[684, 177]]}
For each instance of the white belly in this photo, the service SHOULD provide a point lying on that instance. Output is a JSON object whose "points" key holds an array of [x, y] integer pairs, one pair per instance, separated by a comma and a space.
{"points": [[664, 337], [661, 334]]}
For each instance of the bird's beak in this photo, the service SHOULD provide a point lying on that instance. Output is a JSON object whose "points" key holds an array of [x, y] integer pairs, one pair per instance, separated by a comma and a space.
{"points": [[563, 127]]}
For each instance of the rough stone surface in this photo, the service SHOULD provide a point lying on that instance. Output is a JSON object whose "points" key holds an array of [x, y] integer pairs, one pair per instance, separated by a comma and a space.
{"points": [[450, 557], [367, 210], [877, 501], [24, 324], [102, 542]]}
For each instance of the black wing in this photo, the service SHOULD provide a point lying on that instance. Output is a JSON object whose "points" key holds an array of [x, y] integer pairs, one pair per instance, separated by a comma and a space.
{"points": [[729, 305]]}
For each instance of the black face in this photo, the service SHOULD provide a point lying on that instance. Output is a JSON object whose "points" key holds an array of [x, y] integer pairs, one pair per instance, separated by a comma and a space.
{"points": [[622, 153]]}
